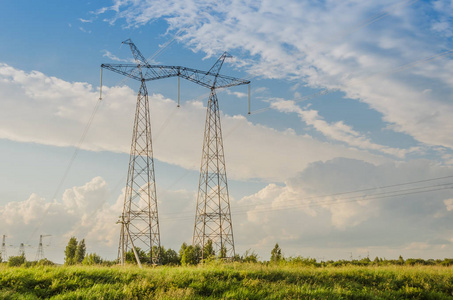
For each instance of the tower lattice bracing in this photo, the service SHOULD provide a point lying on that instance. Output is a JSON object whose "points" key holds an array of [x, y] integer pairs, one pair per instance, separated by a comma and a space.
{"points": [[213, 216], [140, 214]]}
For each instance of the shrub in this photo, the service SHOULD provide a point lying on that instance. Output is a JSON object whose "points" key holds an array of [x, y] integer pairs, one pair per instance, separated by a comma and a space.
{"points": [[16, 261], [92, 259]]}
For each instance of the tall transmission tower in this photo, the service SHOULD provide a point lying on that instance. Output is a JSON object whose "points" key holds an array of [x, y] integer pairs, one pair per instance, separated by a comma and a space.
{"points": [[40, 253], [213, 215], [139, 221], [3, 253]]}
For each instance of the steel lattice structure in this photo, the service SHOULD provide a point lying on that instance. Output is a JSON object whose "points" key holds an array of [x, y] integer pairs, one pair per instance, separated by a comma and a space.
{"points": [[40, 252], [140, 224], [213, 215], [139, 220]]}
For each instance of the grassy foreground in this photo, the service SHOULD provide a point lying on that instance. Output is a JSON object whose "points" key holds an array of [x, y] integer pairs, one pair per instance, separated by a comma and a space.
{"points": [[231, 281]]}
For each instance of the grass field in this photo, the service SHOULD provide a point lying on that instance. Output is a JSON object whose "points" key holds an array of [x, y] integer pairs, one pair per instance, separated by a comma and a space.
{"points": [[229, 281]]}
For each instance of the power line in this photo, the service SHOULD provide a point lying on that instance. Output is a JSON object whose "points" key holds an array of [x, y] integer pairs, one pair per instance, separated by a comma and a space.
{"points": [[184, 217], [359, 198]]}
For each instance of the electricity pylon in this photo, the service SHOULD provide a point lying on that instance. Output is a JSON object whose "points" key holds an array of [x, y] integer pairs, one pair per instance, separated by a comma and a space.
{"points": [[40, 253], [213, 215], [3, 253], [21, 249], [139, 221]]}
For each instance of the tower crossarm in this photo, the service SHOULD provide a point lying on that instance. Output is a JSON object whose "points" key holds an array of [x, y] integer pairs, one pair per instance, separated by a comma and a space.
{"points": [[155, 72], [210, 80]]}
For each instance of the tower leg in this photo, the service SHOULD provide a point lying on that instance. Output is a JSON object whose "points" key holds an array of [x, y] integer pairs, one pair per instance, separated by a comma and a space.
{"points": [[213, 217], [140, 213]]}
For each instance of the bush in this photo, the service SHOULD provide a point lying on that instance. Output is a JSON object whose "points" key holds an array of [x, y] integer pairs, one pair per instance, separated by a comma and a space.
{"points": [[92, 259], [16, 261], [45, 262]]}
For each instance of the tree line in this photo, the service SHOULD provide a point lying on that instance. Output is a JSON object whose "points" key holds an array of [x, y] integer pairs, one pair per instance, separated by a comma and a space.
{"points": [[75, 253]]}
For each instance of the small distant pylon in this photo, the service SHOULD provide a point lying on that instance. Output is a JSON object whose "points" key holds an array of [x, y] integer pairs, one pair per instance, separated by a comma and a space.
{"points": [[21, 249], [3, 253], [40, 253]]}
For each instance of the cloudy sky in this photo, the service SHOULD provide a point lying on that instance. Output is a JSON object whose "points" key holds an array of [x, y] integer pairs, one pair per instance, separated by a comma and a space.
{"points": [[347, 151]]}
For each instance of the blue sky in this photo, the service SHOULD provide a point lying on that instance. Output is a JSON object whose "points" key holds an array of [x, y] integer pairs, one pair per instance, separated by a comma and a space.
{"points": [[381, 132]]}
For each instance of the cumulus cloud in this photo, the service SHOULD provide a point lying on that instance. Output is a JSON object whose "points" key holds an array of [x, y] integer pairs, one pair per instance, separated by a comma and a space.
{"points": [[347, 205], [57, 111], [332, 207], [89, 212], [365, 49], [84, 212]]}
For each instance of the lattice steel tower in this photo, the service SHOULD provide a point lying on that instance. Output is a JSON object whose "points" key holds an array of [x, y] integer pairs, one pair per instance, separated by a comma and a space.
{"points": [[213, 216], [139, 221], [40, 252]]}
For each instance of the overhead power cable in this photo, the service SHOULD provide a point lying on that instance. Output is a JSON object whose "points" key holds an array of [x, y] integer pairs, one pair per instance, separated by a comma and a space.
{"points": [[358, 198]]}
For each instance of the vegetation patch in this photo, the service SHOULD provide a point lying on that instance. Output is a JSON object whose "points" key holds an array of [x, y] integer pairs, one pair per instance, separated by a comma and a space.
{"points": [[227, 281]]}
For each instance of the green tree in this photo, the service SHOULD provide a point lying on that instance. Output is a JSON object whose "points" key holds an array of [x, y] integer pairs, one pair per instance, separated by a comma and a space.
{"points": [[276, 253], [70, 252], [80, 252], [45, 262], [172, 257], [250, 256], [222, 252], [208, 250], [16, 261], [92, 259], [169, 257], [130, 257], [182, 249], [191, 255]]}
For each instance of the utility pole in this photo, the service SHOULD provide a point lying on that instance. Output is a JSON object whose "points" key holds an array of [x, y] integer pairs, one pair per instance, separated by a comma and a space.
{"points": [[40, 253]]}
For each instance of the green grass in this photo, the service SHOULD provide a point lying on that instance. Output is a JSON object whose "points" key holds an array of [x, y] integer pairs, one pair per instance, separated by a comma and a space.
{"points": [[229, 281]]}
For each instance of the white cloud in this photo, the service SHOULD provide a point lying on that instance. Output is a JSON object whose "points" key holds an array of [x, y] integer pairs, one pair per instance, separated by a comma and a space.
{"points": [[309, 212], [335, 131], [83, 211], [449, 204], [87, 212], [319, 211], [113, 57], [330, 45], [57, 111], [85, 20]]}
